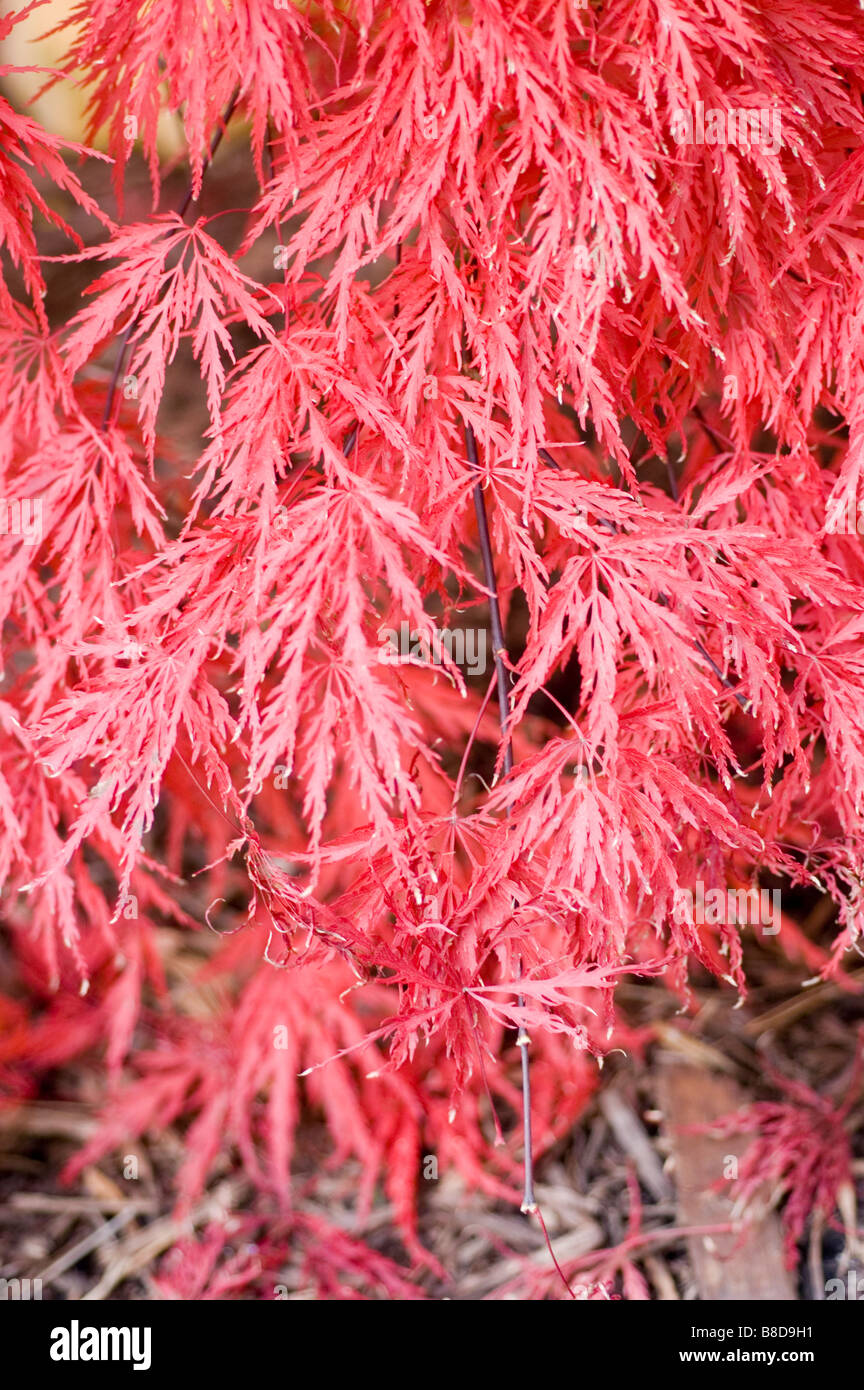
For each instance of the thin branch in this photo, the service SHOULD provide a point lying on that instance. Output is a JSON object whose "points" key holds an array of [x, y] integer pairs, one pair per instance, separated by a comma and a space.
{"points": [[469, 745], [214, 145], [499, 648], [721, 441], [529, 1201]]}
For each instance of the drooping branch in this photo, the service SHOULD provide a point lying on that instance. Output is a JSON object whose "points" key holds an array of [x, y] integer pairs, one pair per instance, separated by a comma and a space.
{"points": [[499, 653], [188, 198]]}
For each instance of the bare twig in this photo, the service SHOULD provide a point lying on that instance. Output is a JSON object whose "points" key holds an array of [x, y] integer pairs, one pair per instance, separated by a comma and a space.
{"points": [[103, 1233], [78, 1206], [499, 650]]}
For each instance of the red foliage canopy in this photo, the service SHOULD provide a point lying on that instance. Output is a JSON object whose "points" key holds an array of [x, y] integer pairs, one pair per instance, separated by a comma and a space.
{"points": [[497, 341]]}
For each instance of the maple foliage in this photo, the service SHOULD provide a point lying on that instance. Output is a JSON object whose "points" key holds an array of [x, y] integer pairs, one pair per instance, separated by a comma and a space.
{"points": [[800, 1154], [494, 350]]}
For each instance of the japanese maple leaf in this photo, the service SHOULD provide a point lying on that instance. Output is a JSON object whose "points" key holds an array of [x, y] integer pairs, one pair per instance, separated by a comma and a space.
{"points": [[802, 1150], [190, 56], [29, 156], [171, 281]]}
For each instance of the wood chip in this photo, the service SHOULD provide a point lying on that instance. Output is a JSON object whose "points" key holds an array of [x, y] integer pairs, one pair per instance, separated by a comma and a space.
{"points": [[633, 1138], [48, 1202], [588, 1237], [745, 1265], [46, 1120], [789, 1010], [694, 1050]]}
